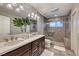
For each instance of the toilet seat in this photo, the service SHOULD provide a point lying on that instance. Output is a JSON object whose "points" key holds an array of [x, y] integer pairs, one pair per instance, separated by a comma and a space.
{"points": [[47, 43]]}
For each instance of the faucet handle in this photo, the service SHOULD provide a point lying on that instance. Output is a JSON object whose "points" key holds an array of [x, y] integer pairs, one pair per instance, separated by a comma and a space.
{"points": [[16, 38], [12, 38], [6, 40]]}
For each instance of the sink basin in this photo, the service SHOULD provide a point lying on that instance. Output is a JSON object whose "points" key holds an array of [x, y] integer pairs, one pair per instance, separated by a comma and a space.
{"points": [[4, 44], [13, 43]]}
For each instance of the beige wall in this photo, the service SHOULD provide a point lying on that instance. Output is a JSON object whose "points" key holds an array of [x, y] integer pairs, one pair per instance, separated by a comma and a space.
{"points": [[75, 29], [40, 25]]}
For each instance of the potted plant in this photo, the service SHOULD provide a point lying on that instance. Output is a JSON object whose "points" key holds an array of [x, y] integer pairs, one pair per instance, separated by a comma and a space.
{"points": [[18, 23], [22, 22], [26, 22]]}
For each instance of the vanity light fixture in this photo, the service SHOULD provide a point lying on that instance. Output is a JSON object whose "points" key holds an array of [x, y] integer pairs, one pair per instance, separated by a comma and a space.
{"points": [[32, 14], [21, 7], [29, 15], [38, 17], [17, 9], [9, 6]]}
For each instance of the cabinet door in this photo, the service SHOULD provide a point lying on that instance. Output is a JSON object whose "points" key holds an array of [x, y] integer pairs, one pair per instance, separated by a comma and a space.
{"points": [[34, 50], [43, 44], [28, 53], [19, 51], [40, 47], [35, 47]]}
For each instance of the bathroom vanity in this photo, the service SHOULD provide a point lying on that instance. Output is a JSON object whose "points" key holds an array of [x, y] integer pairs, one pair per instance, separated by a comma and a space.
{"points": [[30, 47]]}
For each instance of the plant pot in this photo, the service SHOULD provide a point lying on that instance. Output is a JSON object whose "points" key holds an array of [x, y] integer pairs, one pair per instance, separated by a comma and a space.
{"points": [[27, 28]]}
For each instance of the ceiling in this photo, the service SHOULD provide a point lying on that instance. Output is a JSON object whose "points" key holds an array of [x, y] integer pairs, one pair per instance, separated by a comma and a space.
{"points": [[50, 10], [13, 11]]}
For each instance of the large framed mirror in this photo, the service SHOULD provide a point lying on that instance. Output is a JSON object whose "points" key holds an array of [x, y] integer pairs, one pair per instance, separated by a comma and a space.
{"points": [[8, 27]]}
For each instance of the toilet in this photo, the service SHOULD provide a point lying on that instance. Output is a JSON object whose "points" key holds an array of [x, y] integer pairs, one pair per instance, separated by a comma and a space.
{"points": [[47, 43]]}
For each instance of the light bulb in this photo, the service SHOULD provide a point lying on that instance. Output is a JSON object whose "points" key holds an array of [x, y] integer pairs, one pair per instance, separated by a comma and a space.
{"points": [[29, 15], [32, 14], [21, 7], [9, 6], [17, 9]]}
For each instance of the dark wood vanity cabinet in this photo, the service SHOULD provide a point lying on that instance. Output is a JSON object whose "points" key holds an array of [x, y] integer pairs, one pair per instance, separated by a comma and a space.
{"points": [[20, 51], [38, 46], [27, 53], [34, 48]]}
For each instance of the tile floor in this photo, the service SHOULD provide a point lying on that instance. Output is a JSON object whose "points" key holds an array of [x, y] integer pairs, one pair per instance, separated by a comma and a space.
{"points": [[57, 49]]}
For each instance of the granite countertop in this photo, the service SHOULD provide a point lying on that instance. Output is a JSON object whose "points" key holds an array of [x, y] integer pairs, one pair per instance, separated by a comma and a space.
{"points": [[6, 47]]}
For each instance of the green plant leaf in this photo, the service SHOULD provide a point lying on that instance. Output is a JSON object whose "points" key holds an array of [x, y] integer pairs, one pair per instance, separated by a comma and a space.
{"points": [[18, 22], [28, 21]]}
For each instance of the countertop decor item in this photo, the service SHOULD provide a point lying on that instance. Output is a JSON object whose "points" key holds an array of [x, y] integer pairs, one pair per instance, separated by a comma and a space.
{"points": [[26, 21], [18, 23], [22, 22]]}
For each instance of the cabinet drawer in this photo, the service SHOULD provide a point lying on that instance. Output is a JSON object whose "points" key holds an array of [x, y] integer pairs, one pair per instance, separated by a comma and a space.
{"points": [[19, 51]]}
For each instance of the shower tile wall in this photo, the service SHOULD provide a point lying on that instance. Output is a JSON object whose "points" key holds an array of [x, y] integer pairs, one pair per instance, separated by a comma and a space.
{"points": [[60, 34]]}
